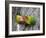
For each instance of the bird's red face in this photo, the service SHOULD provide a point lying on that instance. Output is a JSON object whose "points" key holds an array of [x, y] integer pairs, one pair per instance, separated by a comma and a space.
{"points": [[22, 19]]}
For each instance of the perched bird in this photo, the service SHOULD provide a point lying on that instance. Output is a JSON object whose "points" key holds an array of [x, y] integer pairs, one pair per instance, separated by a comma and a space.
{"points": [[31, 20]]}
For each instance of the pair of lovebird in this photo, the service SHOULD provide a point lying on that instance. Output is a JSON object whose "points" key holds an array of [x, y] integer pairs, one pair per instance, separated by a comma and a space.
{"points": [[30, 20]]}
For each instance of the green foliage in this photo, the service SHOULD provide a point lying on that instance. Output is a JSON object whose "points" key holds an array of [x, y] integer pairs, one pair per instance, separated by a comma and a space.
{"points": [[18, 13]]}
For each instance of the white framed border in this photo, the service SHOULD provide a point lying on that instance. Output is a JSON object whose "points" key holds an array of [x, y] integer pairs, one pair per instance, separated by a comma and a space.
{"points": [[25, 32]]}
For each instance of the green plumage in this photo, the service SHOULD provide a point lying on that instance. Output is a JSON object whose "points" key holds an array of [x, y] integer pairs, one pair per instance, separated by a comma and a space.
{"points": [[31, 20]]}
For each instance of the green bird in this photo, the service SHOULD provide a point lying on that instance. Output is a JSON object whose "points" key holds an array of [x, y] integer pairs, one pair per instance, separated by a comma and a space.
{"points": [[31, 20]]}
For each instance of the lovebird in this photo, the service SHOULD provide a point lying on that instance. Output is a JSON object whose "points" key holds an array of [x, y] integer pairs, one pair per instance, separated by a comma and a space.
{"points": [[30, 20]]}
